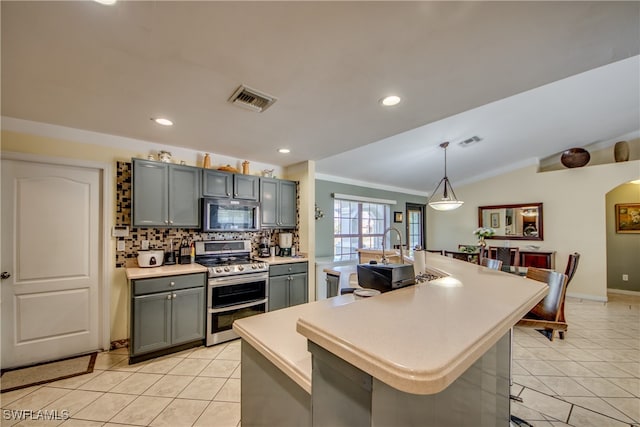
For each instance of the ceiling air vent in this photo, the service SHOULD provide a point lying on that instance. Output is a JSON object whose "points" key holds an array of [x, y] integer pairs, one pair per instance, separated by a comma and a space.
{"points": [[251, 99], [470, 141]]}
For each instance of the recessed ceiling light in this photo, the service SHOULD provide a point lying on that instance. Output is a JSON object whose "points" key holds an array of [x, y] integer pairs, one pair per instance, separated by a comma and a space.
{"points": [[284, 150], [162, 121], [106, 2], [390, 101]]}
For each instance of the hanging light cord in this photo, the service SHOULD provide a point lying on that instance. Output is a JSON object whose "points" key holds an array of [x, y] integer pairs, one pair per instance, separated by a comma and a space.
{"points": [[444, 145]]}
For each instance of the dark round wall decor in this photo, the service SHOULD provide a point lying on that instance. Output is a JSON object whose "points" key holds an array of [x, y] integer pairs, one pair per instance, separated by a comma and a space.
{"points": [[575, 157]]}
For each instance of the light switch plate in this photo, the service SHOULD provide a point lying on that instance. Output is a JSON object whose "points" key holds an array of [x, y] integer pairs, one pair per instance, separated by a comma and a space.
{"points": [[145, 245], [120, 246], [120, 231]]}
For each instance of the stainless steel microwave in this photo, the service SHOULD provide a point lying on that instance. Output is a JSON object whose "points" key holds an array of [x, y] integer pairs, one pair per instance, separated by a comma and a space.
{"points": [[230, 215]]}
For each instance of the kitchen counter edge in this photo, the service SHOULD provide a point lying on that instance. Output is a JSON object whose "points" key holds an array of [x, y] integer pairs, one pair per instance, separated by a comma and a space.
{"points": [[134, 273]]}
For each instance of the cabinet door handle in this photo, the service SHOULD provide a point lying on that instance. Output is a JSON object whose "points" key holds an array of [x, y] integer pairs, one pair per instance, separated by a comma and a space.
{"points": [[170, 222], [174, 296], [169, 296], [172, 284], [166, 221], [228, 194]]}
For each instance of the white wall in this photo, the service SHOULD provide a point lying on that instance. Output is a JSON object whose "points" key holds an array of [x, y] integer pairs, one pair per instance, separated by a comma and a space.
{"points": [[574, 215]]}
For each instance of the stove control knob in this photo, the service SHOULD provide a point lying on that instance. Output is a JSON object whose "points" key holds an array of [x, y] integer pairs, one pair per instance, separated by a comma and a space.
{"points": [[226, 269], [240, 268], [253, 266], [218, 270], [262, 265]]}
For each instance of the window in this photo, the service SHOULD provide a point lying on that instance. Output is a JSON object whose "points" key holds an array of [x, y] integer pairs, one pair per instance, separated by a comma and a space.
{"points": [[415, 225], [358, 225]]}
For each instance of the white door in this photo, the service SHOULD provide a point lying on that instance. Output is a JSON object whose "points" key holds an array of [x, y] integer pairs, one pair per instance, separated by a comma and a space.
{"points": [[51, 249]]}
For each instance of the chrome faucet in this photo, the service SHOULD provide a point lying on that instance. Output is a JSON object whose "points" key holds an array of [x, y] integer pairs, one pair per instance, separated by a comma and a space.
{"points": [[384, 258]]}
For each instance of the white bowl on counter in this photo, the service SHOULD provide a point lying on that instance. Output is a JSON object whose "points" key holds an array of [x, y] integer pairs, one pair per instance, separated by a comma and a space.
{"points": [[150, 258]]}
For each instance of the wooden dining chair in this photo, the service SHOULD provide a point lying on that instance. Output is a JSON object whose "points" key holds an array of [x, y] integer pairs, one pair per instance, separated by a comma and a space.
{"points": [[570, 271], [494, 264], [508, 256], [463, 256], [546, 315]]}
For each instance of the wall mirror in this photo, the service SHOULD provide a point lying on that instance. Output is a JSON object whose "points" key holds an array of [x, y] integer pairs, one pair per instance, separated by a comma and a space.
{"points": [[513, 222]]}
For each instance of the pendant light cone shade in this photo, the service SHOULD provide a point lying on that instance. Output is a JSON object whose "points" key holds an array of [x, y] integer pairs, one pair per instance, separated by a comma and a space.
{"points": [[448, 201]]}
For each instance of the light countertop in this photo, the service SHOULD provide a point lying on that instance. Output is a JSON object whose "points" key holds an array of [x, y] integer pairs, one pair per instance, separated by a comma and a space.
{"points": [[135, 272], [418, 339], [274, 335], [275, 260], [164, 270]]}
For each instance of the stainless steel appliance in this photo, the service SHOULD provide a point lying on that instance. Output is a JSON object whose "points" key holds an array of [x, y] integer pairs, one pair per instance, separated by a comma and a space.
{"points": [[230, 215], [238, 286]]}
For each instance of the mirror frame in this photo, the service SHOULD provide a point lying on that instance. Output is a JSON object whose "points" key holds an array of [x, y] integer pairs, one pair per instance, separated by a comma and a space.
{"points": [[520, 205]]}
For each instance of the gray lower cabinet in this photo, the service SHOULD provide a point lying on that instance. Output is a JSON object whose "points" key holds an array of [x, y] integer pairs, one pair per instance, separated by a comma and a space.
{"points": [[166, 312], [333, 284], [165, 195], [278, 203], [288, 285], [229, 185]]}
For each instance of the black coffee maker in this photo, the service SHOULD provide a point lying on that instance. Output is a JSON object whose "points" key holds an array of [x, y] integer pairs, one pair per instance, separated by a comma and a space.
{"points": [[264, 246]]}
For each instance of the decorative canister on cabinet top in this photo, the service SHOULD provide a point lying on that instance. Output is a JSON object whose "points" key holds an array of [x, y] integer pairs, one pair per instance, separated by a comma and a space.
{"points": [[164, 156], [621, 151], [207, 161], [245, 167]]}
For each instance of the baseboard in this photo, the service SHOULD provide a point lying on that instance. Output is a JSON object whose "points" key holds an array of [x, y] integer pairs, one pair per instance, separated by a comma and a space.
{"points": [[124, 343], [623, 292], [588, 297]]}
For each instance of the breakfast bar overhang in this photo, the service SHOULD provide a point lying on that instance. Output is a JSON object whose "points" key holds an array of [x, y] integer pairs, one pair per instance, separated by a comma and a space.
{"points": [[436, 353]]}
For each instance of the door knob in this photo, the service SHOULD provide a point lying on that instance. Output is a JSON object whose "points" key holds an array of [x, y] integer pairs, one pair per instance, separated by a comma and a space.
{"points": [[5, 275]]}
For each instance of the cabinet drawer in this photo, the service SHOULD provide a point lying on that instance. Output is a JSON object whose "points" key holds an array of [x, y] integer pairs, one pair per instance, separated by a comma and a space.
{"points": [[167, 283], [293, 268]]}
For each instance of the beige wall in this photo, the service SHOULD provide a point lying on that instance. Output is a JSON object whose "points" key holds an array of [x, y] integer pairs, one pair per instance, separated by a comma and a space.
{"points": [[305, 172], [623, 249], [37, 145], [19, 142], [574, 215]]}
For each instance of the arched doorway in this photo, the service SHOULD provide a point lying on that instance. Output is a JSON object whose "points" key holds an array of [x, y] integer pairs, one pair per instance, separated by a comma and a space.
{"points": [[623, 240]]}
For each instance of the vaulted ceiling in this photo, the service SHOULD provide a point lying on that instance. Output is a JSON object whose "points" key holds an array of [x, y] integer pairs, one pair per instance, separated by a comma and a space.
{"points": [[529, 78]]}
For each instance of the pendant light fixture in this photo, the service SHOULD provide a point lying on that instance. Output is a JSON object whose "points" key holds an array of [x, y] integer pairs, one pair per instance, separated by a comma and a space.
{"points": [[448, 201]]}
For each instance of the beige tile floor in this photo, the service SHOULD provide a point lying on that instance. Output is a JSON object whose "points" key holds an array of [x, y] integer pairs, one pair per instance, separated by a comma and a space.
{"points": [[592, 378]]}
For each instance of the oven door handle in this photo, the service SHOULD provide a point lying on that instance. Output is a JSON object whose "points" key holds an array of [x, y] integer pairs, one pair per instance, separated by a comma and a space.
{"points": [[226, 281], [238, 306]]}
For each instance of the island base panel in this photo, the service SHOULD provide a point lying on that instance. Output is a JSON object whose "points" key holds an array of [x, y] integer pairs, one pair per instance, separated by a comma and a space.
{"points": [[343, 395], [269, 397]]}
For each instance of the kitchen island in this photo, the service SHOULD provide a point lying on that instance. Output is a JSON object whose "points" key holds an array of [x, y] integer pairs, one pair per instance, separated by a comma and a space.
{"points": [[436, 353]]}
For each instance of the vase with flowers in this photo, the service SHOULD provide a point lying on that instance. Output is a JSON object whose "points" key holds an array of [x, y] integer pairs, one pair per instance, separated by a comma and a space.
{"points": [[482, 233]]}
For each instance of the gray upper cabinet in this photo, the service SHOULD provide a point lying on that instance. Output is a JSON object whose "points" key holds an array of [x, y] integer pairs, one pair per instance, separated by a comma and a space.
{"points": [[165, 195], [229, 185], [246, 187], [150, 204], [217, 183], [278, 203]]}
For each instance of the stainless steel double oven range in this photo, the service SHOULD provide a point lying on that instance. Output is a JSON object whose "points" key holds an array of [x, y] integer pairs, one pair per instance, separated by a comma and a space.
{"points": [[238, 286]]}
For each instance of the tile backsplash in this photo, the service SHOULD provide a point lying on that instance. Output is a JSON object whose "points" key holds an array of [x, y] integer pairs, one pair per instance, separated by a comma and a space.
{"points": [[160, 238]]}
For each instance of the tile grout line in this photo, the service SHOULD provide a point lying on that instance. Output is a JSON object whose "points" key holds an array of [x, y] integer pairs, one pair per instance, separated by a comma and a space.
{"points": [[573, 404]]}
